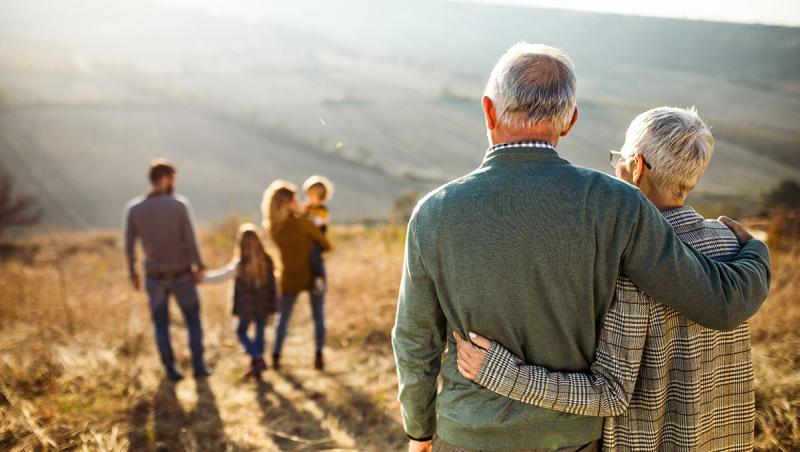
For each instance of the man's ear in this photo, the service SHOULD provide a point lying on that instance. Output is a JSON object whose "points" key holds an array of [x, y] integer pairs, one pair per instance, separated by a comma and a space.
{"points": [[638, 169], [489, 113], [571, 122]]}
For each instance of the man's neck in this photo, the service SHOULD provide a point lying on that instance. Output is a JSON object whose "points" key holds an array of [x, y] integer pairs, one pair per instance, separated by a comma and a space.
{"points": [[516, 135]]}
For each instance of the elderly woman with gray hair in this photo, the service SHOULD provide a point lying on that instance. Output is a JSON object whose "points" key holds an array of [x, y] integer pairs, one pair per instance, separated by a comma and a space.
{"points": [[661, 380]]}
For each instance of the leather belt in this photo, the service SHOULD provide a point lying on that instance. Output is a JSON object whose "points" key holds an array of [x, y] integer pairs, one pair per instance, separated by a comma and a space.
{"points": [[168, 274]]}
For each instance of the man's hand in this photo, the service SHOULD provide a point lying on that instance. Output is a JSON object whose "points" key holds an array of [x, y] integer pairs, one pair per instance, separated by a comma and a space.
{"points": [[471, 354], [420, 446], [197, 276], [739, 230], [135, 282]]}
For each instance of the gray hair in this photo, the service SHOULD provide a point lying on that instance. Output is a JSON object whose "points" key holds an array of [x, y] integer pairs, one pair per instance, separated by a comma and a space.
{"points": [[533, 83], [676, 143]]}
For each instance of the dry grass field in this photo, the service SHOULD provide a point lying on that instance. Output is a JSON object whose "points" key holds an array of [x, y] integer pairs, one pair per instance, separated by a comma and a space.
{"points": [[78, 368]]}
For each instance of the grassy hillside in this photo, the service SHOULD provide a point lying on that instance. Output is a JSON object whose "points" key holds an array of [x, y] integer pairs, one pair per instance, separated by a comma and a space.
{"points": [[79, 368], [382, 98]]}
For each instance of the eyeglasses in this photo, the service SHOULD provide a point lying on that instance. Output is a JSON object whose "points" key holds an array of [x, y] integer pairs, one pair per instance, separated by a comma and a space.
{"points": [[614, 158]]}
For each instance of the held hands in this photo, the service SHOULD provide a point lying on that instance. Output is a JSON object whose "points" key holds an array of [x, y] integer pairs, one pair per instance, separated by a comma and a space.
{"points": [[135, 282], [198, 275], [738, 230], [471, 354]]}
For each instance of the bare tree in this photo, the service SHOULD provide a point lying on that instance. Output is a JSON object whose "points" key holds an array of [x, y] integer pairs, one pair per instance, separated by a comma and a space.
{"points": [[786, 196], [16, 210]]}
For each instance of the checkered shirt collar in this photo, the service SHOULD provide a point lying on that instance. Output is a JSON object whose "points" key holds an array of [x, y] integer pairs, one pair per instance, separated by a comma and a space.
{"points": [[520, 147]]}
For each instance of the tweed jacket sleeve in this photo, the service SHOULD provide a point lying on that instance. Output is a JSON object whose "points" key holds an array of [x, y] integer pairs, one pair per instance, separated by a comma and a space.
{"points": [[605, 390]]}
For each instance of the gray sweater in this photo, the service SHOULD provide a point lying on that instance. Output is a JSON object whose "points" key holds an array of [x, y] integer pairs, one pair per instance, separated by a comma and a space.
{"points": [[164, 225], [526, 250]]}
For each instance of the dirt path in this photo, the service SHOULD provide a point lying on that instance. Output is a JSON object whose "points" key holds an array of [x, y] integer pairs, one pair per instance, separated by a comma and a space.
{"points": [[349, 406]]}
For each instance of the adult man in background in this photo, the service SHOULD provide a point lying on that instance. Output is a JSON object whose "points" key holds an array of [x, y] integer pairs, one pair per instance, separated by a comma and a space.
{"points": [[527, 249], [163, 223]]}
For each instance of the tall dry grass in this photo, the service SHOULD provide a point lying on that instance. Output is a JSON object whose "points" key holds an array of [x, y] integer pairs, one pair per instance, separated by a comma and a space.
{"points": [[775, 333], [78, 369]]}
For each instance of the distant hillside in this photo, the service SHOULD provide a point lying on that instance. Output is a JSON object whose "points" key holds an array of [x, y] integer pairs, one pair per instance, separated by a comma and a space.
{"points": [[380, 96]]}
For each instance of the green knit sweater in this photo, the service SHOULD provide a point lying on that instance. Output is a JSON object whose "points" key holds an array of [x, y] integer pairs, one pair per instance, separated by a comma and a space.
{"points": [[526, 250]]}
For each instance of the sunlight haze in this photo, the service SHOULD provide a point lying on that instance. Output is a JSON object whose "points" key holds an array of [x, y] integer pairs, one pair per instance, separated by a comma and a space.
{"points": [[770, 12]]}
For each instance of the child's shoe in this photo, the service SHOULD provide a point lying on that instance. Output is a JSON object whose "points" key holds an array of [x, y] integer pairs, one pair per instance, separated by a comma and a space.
{"points": [[253, 372]]}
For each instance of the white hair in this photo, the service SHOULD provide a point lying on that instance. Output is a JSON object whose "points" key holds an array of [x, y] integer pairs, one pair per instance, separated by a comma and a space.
{"points": [[676, 143], [533, 83]]}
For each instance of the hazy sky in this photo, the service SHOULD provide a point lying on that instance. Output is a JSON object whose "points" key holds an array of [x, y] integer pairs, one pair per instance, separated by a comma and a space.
{"points": [[775, 12]]}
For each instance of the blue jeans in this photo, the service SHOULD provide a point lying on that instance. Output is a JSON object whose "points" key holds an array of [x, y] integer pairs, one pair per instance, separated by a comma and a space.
{"points": [[158, 291], [317, 312], [253, 347]]}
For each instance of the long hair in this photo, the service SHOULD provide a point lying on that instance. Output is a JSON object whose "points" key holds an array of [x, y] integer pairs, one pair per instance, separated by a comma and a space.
{"points": [[253, 262], [276, 205]]}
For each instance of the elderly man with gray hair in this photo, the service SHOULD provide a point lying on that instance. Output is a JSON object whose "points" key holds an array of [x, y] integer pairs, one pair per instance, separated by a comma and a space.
{"points": [[527, 249], [664, 381]]}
